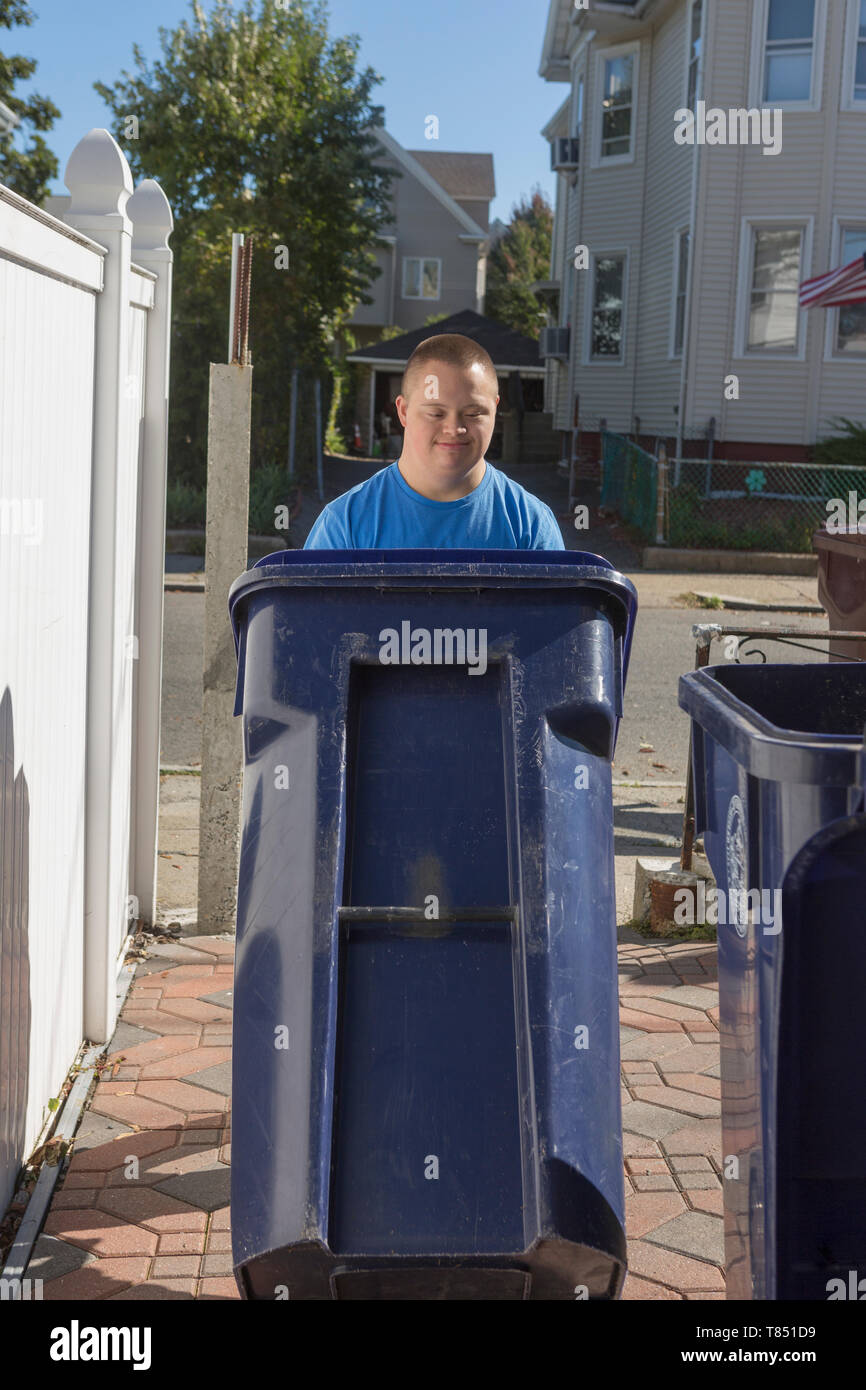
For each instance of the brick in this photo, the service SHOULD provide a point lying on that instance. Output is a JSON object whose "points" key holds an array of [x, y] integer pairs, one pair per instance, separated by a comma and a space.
{"points": [[654, 1182], [218, 1288], [646, 1210], [100, 1232], [677, 1271], [172, 1266], [97, 1280], [182, 1243]]}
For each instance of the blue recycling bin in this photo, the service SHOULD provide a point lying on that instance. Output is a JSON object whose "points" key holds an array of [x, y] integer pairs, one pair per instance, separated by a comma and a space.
{"points": [[426, 1096], [778, 764]]}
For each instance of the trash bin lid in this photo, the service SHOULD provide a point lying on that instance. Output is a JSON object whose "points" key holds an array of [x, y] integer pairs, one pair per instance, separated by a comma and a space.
{"points": [[500, 568]]}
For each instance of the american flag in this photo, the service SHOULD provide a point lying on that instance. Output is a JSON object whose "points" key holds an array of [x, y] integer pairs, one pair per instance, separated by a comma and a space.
{"points": [[844, 286]]}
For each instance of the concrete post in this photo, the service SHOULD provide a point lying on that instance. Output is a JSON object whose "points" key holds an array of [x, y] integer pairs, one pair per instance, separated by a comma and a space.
{"points": [[100, 182], [228, 490], [151, 227]]}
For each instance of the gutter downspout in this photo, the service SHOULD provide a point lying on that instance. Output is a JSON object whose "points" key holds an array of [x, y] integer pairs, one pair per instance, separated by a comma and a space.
{"points": [[693, 213]]}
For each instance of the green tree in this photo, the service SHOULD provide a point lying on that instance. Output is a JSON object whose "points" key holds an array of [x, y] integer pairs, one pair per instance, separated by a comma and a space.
{"points": [[254, 121], [30, 170], [520, 257]]}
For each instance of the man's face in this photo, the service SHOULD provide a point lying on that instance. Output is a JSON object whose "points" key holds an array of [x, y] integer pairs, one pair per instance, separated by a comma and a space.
{"points": [[448, 419]]}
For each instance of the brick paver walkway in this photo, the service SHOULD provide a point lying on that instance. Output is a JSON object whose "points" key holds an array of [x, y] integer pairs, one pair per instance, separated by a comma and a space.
{"points": [[143, 1211]]}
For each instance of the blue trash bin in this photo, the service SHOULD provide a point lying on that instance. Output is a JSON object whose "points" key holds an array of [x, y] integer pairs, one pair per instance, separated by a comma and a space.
{"points": [[426, 1096], [778, 763]]}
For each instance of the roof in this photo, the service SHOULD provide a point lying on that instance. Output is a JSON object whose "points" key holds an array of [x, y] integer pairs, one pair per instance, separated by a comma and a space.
{"points": [[462, 175], [510, 349]]}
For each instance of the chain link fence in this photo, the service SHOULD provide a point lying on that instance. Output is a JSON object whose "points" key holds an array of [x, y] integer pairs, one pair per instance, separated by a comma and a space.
{"points": [[724, 504], [732, 505]]}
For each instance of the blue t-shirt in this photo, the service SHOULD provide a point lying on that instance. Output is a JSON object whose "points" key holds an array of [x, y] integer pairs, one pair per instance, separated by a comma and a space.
{"points": [[385, 513]]}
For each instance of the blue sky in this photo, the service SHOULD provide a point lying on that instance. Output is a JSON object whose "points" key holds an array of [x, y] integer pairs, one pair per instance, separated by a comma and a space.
{"points": [[474, 65]]}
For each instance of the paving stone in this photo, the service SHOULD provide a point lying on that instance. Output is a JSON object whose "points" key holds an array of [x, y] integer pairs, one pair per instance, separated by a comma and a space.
{"points": [[217, 1288], [714, 1070], [181, 1095], [186, 1065], [99, 1279], [637, 1289], [208, 1189], [654, 1182], [218, 1264], [224, 998], [649, 1047], [100, 1232], [710, 1201], [690, 1163], [646, 1210], [153, 1289], [653, 1121], [95, 1131], [219, 1242], [689, 1057], [218, 1078], [693, 1233], [173, 1266], [221, 1219], [126, 1036], [208, 1137], [701, 1136], [650, 1261], [157, 1048], [663, 1008], [626, 1034], [106, 1157], [196, 1010], [650, 1164], [695, 996], [676, 1098], [706, 1180], [636, 1069], [139, 1110], [148, 1207], [182, 1243], [650, 1023], [67, 1199], [183, 955], [692, 1081], [53, 1258], [158, 1021]]}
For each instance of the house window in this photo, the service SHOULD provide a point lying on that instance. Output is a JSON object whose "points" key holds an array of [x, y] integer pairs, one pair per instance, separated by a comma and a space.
{"points": [[421, 277], [788, 51], [682, 272], [607, 308], [578, 115], [774, 292], [854, 90], [851, 318], [860, 55], [617, 106], [694, 53]]}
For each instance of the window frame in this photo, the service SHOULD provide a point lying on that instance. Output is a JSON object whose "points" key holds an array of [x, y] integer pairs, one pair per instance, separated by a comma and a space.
{"points": [[421, 298], [842, 224], [848, 101], [760, 19], [679, 232], [699, 76], [748, 227], [603, 55], [587, 360]]}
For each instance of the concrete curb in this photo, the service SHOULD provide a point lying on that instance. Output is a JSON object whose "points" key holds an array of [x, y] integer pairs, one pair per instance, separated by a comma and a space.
{"points": [[656, 557], [748, 605]]}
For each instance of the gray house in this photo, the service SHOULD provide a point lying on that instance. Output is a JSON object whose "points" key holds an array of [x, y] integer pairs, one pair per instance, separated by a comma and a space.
{"points": [[434, 265], [680, 240]]}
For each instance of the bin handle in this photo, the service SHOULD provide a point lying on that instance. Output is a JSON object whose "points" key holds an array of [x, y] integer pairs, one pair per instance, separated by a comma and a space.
{"points": [[242, 661]]}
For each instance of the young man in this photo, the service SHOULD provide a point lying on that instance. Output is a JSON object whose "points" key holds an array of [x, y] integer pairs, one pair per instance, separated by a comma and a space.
{"points": [[441, 492]]}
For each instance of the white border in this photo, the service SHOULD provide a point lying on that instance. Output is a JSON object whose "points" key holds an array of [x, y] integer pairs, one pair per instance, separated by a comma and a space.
{"points": [[589, 300], [760, 15], [674, 356], [420, 298], [620, 50], [831, 327], [744, 284], [846, 96]]}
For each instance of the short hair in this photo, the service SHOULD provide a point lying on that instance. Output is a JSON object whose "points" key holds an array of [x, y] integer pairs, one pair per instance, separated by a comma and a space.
{"points": [[455, 349]]}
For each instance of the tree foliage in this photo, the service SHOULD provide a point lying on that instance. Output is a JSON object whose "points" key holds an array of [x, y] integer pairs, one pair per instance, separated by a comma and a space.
{"points": [[254, 121], [520, 257], [29, 167]]}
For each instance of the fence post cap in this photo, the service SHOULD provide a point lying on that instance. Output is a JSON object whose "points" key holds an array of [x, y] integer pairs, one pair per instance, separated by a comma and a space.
{"points": [[98, 175], [150, 212]]}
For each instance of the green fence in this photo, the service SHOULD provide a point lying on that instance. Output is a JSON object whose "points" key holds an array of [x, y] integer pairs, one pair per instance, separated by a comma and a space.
{"points": [[722, 504], [628, 483]]}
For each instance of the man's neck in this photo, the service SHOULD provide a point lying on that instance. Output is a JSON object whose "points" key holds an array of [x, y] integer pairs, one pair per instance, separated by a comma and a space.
{"points": [[420, 482]]}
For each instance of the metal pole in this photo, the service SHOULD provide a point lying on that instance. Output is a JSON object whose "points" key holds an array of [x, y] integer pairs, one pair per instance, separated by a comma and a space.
{"points": [[293, 415], [237, 243], [319, 475], [661, 484]]}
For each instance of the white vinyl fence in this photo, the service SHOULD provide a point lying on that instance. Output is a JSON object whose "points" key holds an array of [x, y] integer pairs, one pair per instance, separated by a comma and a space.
{"points": [[85, 302]]}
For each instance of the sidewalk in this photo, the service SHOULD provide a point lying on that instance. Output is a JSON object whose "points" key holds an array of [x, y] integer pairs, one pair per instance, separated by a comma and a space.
{"points": [[143, 1208]]}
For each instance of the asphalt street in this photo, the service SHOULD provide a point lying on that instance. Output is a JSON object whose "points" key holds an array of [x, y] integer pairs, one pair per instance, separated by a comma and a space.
{"points": [[663, 649]]}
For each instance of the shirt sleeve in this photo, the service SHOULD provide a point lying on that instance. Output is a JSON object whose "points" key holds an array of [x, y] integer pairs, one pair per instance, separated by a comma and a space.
{"points": [[545, 533], [328, 533]]}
